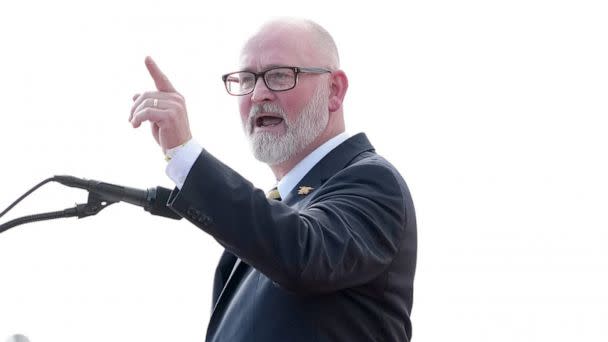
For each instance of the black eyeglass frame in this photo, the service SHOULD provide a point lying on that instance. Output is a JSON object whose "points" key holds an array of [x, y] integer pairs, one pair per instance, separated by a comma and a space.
{"points": [[296, 70]]}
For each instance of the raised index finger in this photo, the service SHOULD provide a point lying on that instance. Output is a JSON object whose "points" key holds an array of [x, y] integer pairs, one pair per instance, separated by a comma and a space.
{"points": [[161, 81]]}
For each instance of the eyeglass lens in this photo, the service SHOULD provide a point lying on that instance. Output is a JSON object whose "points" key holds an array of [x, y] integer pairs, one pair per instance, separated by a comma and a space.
{"points": [[276, 79]]}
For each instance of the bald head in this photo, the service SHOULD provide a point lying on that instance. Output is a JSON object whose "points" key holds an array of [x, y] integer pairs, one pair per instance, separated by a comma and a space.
{"points": [[308, 37]]}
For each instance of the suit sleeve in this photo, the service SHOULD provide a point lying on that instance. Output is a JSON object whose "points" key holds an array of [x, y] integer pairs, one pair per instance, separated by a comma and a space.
{"points": [[346, 235]]}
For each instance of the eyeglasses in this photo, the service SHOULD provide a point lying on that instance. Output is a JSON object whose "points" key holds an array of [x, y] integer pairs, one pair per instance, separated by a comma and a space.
{"points": [[276, 79]]}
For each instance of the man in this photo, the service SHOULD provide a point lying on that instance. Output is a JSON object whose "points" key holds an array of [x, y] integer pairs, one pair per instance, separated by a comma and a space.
{"points": [[334, 259]]}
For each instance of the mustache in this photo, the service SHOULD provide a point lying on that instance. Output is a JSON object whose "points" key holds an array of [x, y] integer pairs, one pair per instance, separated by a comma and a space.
{"points": [[267, 108], [263, 108]]}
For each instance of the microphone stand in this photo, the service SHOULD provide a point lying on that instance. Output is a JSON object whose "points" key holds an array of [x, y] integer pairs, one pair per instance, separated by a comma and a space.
{"points": [[95, 204], [101, 195]]}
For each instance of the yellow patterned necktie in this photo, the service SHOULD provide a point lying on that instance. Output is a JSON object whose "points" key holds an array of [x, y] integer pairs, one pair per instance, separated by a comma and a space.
{"points": [[274, 194]]}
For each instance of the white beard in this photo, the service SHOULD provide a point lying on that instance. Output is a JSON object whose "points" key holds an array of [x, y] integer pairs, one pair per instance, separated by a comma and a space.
{"points": [[272, 148]]}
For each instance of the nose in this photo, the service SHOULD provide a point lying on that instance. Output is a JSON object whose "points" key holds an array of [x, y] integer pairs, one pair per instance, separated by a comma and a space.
{"points": [[261, 93]]}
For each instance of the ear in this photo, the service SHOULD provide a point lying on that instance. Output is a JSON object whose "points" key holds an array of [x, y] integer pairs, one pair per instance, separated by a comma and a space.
{"points": [[337, 90]]}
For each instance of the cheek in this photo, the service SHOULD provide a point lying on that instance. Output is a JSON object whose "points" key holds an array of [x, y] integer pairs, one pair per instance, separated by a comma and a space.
{"points": [[244, 107], [293, 106], [292, 116]]}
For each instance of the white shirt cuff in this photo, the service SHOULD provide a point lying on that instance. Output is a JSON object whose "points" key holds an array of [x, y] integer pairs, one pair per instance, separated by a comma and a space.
{"points": [[182, 159]]}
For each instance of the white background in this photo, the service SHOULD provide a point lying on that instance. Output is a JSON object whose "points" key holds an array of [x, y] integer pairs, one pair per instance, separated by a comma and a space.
{"points": [[494, 112]]}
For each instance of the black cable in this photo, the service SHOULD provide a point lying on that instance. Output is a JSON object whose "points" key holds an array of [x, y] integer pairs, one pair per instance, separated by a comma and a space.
{"points": [[38, 217], [26, 194]]}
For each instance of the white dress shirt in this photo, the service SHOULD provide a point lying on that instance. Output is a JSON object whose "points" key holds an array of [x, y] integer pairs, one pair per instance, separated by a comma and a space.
{"points": [[295, 175], [183, 157]]}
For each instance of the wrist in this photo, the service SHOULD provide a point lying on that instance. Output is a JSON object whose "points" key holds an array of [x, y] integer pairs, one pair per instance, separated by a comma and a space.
{"points": [[170, 153], [184, 157]]}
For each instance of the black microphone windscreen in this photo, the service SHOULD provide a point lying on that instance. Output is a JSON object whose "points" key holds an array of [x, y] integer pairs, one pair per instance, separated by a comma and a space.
{"points": [[159, 206]]}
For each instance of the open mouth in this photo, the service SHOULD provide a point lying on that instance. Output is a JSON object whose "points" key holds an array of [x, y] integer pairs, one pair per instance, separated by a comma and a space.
{"points": [[267, 121]]}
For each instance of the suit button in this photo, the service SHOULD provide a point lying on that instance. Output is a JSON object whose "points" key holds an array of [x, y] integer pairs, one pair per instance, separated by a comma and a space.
{"points": [[205, 220], [193, 213]]}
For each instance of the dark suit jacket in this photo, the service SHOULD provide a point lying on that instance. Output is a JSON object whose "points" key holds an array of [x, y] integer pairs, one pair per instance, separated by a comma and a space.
{"points": [[336, 264]]}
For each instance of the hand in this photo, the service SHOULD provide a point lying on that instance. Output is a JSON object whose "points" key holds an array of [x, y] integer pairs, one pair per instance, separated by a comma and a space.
{"points": [[164, 108]]}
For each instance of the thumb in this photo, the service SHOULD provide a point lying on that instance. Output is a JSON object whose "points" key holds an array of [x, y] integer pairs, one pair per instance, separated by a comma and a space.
{"points": [[162, 82]]}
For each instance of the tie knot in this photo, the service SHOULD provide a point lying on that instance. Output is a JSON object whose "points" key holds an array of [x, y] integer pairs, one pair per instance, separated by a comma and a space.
{"points": [[274, 194]]}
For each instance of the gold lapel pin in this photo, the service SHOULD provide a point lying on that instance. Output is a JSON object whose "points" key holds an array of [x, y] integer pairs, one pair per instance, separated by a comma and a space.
{"points": [[304, 190]]}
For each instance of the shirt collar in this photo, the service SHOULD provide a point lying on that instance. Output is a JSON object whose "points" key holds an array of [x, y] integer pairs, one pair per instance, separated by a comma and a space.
{"points": [[291, 179]]}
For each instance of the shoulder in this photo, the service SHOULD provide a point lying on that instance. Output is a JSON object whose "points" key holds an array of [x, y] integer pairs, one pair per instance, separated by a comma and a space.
{"points": [[375, 169], [372, 181]]}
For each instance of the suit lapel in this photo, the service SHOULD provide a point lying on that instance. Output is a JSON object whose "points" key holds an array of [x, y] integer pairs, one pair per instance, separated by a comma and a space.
{"points": [[239, 270], [223, 272], [332, 163], [312, 179]]}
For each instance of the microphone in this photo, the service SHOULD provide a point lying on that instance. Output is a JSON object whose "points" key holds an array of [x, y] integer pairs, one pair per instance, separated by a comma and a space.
{"points": [[153, 200]]}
